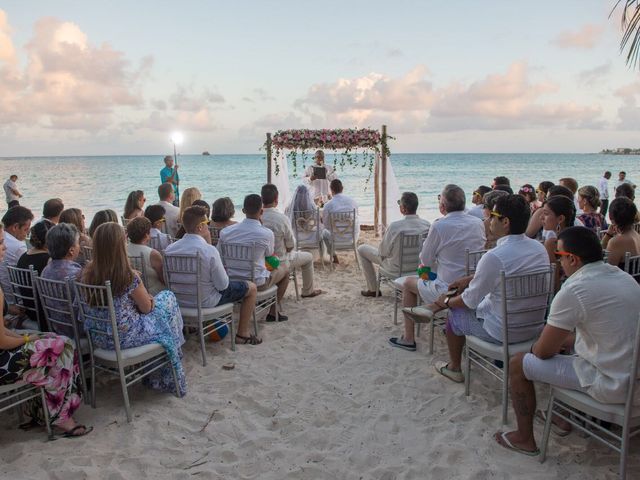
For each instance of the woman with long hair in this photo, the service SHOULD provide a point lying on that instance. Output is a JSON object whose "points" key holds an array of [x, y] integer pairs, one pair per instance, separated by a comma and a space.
{"points": [[187, 198], [102, 216], [302, 201], [142, 319], [621, 237], [529, 194], [44, 360], [134, 206], [589, 201]]}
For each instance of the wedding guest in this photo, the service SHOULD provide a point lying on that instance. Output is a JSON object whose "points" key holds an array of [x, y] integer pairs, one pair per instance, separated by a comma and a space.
{"points": [[338, 203], [490, 199], [302, 202], [622, 179], [320, 187], [134, 206], [22, 361], [571, 184], [589, 201], [17, 223], [529, 194], [169, 174], [203, 204], [603, 188], [621, 237], [444, 251], [478, 202], [251, 231], [215, 285], [156, 215], [595, 301], [222, 211], [189, 196], [102, 216], [504, 188], [139, 233], [500, 180], [172, 213], [63, 245], [535, 228], [559, 213], [543, 190], [625, 190], [51, 210], [387, 256], [141, 318], [11, 192], [284, 243], [75, 217]]}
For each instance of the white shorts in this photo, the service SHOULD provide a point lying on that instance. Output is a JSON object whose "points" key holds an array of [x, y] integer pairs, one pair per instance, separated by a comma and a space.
{"points": [[557, 371], [430, 290]]}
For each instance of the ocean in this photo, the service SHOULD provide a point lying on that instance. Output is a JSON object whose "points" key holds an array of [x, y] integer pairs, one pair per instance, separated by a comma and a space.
{"points": [[93, 183]]}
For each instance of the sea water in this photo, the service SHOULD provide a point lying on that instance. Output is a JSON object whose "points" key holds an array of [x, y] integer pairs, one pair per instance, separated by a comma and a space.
{"points": [[93, 183]]}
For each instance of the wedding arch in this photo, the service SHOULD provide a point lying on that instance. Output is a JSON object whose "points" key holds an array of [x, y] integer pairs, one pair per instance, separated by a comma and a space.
{"points": [[358, 147]]}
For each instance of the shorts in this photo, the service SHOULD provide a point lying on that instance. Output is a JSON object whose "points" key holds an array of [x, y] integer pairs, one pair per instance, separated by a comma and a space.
{"points": [[430, 290], [557, 371], [234, 292], [462, 321]]}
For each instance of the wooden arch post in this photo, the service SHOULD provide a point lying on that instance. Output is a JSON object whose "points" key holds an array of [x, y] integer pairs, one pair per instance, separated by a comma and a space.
{"points": [[269, 172], [383, 170]]}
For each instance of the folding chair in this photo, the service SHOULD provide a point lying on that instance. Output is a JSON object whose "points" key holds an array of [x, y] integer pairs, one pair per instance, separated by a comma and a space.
{"points": [[528, 293], [182, 275], [215, 234], [307, 231], [130, 365], [15, 394], [342, 225], [582, 411], [632, 265], [57, 304], [472, 259], [125, 221], [157, 243], [137, 263], [25, 293], [241, 258], [87, 252], [292, 270]]}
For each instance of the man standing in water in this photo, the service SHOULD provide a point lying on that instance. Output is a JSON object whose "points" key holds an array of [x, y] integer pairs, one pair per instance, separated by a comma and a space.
{"points": [[169, 174]]}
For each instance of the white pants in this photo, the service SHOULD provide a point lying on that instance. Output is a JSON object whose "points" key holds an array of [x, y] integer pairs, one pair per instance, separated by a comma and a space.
{"points": [[368, 257], [303, 261], [557, 370]]}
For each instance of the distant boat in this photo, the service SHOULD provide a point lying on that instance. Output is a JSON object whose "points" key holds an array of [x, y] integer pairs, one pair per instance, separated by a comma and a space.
{"points": [[205, 153]]}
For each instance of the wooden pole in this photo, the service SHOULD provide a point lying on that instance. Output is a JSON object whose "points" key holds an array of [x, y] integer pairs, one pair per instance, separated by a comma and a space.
{"points": [[376, 195], [269, 173], [384, 177]]}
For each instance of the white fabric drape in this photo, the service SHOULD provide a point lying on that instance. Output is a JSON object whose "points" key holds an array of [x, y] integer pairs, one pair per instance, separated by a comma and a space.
{"points": [[281, 180], [393, 193]]}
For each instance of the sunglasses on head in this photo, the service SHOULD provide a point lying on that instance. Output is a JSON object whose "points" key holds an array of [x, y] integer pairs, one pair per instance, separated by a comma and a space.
{"points": [[493, 213], [204, 222]]}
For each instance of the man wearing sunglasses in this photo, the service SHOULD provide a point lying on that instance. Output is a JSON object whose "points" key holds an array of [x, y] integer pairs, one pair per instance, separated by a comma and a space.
{"points": [[600, 302], [478, 202]]}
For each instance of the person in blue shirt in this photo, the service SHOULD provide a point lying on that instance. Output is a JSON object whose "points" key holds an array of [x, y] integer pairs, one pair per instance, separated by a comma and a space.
{"points": [[169, 174]]}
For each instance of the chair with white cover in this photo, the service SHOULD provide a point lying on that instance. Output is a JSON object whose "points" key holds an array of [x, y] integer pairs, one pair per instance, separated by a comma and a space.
{"points": [[87, 252], [215, 234], [583, 411], [130, 365], [137, 263], [241, 257], [632, 265], [25, 294], [57, 304], [182, 275], [15, 394], [409, 255], [342, 226], [308, 232], [528, 293]]}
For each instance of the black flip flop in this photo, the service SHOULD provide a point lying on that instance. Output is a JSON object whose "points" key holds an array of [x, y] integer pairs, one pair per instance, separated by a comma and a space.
{"points": [[72, 433]]}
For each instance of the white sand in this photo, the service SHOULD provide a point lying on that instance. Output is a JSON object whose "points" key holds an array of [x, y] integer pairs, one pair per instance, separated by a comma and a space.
{"points": [[324, 396]]}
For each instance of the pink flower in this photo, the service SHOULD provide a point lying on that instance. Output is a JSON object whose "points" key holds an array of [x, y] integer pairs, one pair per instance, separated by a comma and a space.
{"points": [[35, 377], [70, 407], [58, 378], [55, 400], [47, 352]]}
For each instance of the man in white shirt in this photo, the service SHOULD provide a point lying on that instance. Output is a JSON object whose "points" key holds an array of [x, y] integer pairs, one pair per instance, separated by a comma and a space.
{"points": [[319, 186], [250, 231], [603, 188], [171, 212], [11, 191], [444, 253], [601, 303], [156, 215], [284, 242], [216, 286], [17, 223], [51, 210], [339, 203], [622, 178], [388, 254]]}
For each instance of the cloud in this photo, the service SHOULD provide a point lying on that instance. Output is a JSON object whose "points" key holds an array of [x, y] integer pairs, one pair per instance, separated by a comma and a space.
{"points": [[185, 99], [67, 82], [594, 75], [629, 111], [587, 37]]}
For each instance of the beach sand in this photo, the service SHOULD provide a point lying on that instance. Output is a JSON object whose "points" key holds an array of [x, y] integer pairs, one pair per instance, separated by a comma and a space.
{"points": [[324, 396]]}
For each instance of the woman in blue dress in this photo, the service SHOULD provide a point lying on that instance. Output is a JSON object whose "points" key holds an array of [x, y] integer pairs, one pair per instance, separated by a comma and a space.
{"points": [[141, 318]]}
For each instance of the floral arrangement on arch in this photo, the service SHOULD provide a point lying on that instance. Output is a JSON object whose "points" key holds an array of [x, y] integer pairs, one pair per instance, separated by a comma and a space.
{"points": [[302, 142]]}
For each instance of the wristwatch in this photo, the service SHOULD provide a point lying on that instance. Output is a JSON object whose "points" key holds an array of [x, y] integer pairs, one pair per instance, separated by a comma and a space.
{"points": [[446, 301]]}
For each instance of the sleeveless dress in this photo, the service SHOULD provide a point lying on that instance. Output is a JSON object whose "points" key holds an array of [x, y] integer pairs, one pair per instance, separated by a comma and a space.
{"points": [[154, 285], [162, 325]]}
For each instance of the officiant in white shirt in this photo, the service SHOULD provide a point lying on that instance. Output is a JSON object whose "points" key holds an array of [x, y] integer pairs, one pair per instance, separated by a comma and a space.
{"points": [[318, 176]]}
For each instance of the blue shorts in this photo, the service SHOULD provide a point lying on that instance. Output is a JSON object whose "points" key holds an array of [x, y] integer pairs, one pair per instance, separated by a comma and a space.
{"points": [[234, 292]]}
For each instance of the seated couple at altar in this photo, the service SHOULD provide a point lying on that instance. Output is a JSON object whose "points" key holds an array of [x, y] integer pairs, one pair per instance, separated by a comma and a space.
{"points": [[318, 177]]}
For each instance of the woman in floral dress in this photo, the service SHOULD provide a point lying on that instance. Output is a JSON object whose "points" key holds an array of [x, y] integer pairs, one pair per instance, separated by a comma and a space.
{"points": [[141, 318], [44, 360]]}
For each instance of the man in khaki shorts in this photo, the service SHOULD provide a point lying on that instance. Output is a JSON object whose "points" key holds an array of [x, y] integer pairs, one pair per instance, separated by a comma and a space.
{"points": [[251, 231]]}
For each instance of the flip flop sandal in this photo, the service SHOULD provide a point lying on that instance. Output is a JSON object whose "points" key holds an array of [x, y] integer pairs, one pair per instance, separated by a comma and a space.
{"points": [[250, 340], [541, 418], [506, 443], [73, 432], [315, 293]]}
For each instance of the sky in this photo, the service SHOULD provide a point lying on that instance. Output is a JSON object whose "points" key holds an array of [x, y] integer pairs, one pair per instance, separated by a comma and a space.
{"points": [[116, 78]]}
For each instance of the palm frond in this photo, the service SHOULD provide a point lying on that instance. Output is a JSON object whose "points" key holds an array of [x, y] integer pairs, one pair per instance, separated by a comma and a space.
{"points": [[631, 27]]}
